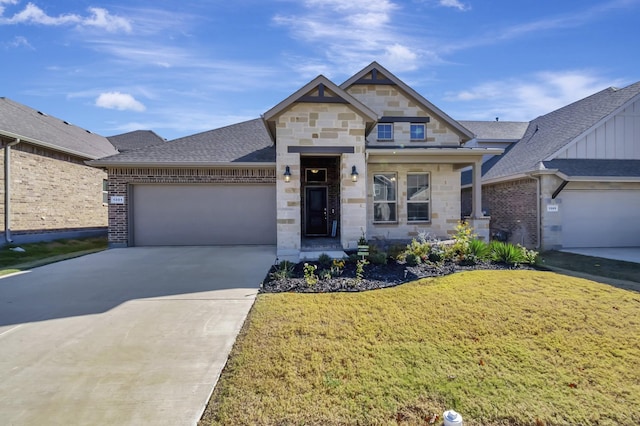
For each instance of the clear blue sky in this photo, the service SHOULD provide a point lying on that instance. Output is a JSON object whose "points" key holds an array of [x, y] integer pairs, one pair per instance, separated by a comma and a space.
{"points": [[181, 67]]}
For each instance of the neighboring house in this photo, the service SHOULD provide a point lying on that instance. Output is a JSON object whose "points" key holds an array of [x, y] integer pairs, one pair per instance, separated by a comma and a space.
{"points": [[134, 140], [48, 191], [370, 156], [573, 179]]}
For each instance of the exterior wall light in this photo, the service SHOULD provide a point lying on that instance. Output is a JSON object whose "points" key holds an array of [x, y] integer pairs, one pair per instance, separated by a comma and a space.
{"points": [[287, 174], [354, 174]]}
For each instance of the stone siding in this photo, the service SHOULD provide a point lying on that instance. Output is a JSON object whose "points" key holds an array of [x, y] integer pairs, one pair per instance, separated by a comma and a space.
{"points": [[52, 192], [121, 178], [444, 205], [390, 101]]}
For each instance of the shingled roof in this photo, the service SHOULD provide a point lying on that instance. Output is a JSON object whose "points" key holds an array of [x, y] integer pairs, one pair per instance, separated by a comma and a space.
{"points": [[547, 134], [496, 130], [135, 140], [246, 142], [35, 127], [595, 168]]}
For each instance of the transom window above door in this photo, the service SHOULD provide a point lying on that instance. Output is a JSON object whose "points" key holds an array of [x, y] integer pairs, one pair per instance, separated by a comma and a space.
{"points": [[316, 175]]}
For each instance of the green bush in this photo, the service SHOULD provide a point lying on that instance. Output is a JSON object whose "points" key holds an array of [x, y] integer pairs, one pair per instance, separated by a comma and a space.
{"points": [[505, 253], [478, 250], [283, 270], [412, 259], [324, 260], [310, 276], [529, 256], [395, 251], [378, 258]]}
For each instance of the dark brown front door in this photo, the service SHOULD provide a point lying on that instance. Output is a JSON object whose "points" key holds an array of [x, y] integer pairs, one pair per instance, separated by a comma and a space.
{"points": [[316, 211]]}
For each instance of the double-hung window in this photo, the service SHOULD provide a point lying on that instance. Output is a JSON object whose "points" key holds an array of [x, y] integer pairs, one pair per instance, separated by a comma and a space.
{"points": [[417, 132], [385, 131], [105, 191], [418, 197], [385, 203]]}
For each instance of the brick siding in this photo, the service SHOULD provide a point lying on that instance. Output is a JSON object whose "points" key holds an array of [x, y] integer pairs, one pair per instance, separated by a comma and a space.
{"points": [[52, 192], [512, 207], [121, 178]]}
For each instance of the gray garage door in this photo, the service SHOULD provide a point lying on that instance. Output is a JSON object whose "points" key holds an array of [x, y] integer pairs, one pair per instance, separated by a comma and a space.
{"points": [[600, 218], [204, 214]]}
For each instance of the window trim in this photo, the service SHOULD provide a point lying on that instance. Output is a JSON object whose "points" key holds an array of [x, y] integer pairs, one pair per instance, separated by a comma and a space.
{"points": [[394, 178], [424, 132], [105, 191], [428, 202], [378, 131]]}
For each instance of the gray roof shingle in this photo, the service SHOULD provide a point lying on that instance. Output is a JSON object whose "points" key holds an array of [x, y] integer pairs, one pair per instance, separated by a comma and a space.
{"points": [[135, 140], [35, 127], [595, 168], [496, 130], [243, 142], [549, 133]]}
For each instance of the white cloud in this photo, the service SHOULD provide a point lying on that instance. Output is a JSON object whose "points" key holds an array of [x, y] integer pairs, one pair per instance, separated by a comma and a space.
{"points": [[525, 98], [18, 41], [98, 18], [119, 101], [352, 34], [455, 4]]}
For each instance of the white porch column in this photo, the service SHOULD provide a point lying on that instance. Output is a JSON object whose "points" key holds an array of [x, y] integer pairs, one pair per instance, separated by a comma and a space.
{"points": [[478, 221]]}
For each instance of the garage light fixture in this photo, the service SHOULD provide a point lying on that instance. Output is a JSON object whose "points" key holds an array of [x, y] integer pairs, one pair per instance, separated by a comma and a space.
{"points": [[287, 174], [354, 174]]}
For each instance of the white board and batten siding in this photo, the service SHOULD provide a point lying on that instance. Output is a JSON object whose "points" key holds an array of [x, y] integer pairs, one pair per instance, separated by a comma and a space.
{"points": [[617, 138]]}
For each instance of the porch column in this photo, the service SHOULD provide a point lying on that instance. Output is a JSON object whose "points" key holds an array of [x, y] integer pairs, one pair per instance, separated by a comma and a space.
{"points": [[476, 193]]}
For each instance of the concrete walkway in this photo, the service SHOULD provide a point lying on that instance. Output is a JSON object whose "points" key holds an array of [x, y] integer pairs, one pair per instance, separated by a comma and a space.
{"points": [[123, 337], [627, 254]]}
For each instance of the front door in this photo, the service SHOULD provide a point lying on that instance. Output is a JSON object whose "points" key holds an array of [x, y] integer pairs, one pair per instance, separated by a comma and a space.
{"points": [[316, 210]]}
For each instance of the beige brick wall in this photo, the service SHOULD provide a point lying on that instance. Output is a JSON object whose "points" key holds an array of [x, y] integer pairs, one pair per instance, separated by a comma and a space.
{"points": [[121, 178], [52, 191], [444, 206], [321, 125], [390, 101]]}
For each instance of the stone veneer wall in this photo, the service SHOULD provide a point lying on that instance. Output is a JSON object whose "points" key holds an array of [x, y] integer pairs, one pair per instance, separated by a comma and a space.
{"points": [[389, 101], [444, 206], [52, 192], [121, 178], [319, 125]]}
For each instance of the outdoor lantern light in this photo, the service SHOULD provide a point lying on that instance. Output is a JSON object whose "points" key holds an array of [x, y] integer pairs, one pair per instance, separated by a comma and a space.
{"points": [[354, 174], [287, 174]]}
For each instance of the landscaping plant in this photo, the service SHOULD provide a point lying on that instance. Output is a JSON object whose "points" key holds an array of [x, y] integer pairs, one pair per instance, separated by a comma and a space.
{"points": [[310, 276]]}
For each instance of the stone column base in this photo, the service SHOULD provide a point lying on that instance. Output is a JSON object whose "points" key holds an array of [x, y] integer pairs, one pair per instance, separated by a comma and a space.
{"points": [[480, 226]]}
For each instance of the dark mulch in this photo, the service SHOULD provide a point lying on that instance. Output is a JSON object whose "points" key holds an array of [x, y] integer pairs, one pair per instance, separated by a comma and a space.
{"points": [[374, 277]]}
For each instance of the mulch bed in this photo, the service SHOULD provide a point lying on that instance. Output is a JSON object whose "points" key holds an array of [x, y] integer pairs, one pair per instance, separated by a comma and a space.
{"points": [[375, 276]]}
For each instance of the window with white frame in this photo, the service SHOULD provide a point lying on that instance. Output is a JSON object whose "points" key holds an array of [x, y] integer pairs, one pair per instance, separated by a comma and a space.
{"points": [[385, 131], [385, 203], [418, 197], [105, 191], [417, 132]]}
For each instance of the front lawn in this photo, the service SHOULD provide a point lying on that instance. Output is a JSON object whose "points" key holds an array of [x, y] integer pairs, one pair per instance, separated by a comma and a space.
{"points": [[501, 347]]}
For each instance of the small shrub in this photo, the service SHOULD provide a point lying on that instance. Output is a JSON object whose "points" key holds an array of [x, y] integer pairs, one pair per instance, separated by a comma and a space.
{"points": [[360, 270], [505, 253], [379, 258], [310, 276], [395, 251], [324, 260], [337, 267], [419, 248], [325, 274], [478, 251], [438, 253], [283, 271], [412, 259], [528, 256]]}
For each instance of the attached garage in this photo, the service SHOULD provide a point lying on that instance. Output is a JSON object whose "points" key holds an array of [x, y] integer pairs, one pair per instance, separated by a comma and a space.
{"points": [[600, 218], [202, 214]]}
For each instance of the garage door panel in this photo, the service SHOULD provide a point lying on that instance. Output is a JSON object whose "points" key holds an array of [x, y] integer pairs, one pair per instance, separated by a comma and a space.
{"points": [[204, 214], [600, 218]]}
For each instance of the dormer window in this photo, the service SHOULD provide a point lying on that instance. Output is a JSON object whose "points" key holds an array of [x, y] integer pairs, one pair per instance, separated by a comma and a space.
{"points": [[385, 132], [417, 132]]}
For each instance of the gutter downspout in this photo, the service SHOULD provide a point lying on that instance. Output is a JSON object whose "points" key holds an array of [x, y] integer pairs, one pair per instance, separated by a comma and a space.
{"points": [[7, 189]]}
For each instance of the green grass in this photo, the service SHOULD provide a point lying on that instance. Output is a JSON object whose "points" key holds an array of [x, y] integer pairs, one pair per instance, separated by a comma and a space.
{"points": [[598, 266], [500, 347], [37, 254]]}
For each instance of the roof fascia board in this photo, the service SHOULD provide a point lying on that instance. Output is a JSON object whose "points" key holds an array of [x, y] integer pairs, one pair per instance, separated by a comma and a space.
{"points": [[285, 104], [592, 128], [411, 92], [505, 178], [47, 145], [434, 151]]}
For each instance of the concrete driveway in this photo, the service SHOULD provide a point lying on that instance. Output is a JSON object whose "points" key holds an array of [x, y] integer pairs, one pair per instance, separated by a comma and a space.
{"points": [[628, 254], [125, 336]]}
